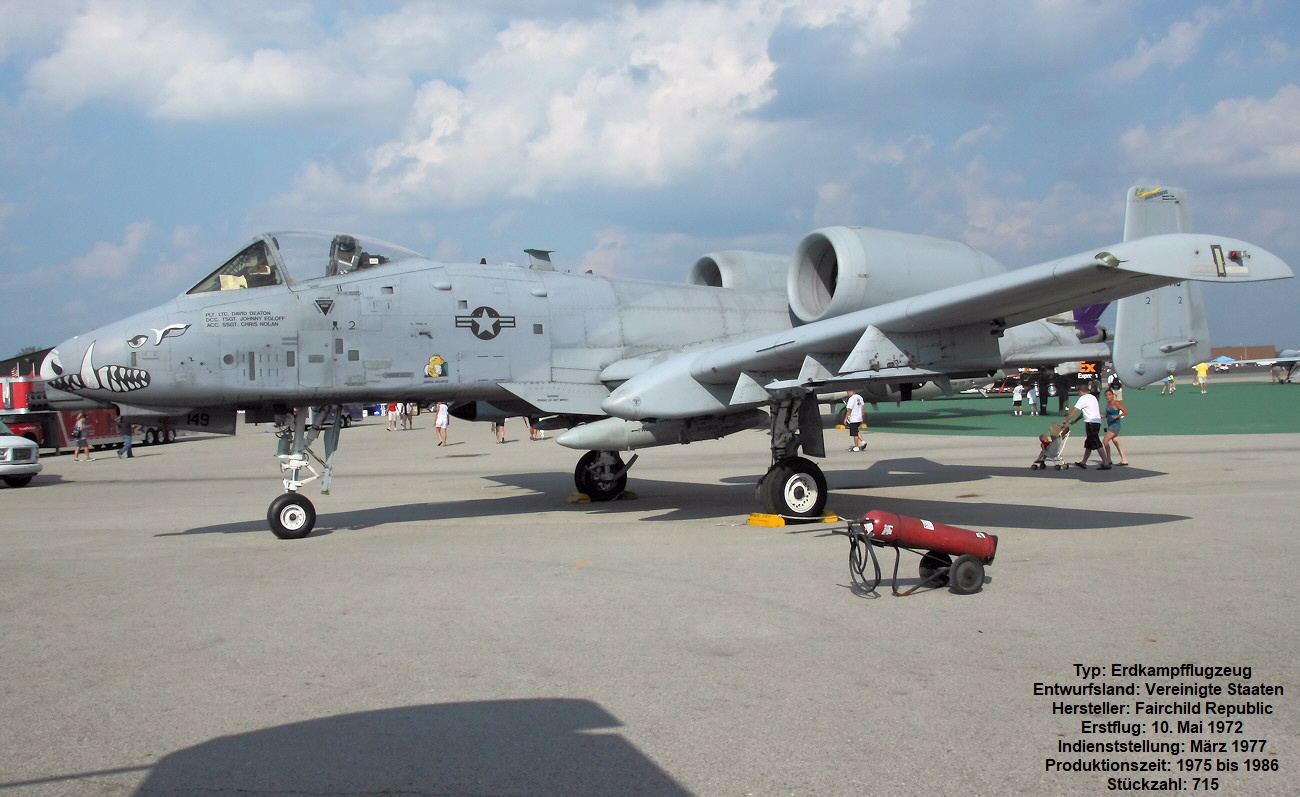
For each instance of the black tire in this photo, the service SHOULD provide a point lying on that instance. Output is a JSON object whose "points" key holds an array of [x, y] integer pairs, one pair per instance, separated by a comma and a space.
{"points": [[291, 516], [345, 421], [150, 437], [168, 436], [18, 481], [966, 576], [931, 563], [794, 488], [594, 476]]}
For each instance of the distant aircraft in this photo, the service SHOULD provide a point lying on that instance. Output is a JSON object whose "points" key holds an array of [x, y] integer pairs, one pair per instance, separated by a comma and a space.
{"points": [[1287, 359], [297, 324]]}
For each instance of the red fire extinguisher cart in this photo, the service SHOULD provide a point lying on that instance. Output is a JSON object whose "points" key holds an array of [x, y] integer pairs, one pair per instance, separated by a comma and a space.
{"points": [[950, 556]]}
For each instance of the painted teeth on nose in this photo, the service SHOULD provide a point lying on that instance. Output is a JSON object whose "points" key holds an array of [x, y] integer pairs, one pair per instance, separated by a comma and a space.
{"points": [[120, 379], [68, 382]]}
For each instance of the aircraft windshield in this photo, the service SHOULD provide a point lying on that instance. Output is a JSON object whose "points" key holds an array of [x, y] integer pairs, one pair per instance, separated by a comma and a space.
{"points": [[310, 254], [251, 268], [307, 254]]}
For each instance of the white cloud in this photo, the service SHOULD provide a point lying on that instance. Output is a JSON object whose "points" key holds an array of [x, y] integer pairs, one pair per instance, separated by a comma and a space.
{"points": [[180, 62], [878, 24], [973, 137], [632, 99], [635, 96], [1239, 138], [29, 26], [1181, 43], [107, 261]]}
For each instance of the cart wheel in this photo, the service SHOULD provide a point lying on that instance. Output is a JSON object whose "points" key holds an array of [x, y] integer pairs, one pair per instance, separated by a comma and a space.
{"points": [[1058, 467], [1034, 466], [966, 575], [932, 563]]}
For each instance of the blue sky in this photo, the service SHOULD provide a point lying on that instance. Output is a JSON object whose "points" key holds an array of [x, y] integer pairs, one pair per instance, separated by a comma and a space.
{"points": [[144, 141]]}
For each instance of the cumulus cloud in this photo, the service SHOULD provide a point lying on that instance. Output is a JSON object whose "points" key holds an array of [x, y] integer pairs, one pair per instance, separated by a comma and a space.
{"points": [[1242, 138], [178, 61], [629, 95], [634, 98]]}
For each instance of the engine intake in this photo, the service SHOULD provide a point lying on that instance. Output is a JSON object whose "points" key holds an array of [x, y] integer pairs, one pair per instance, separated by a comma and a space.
{"points": [[838, 270], [754, 271]]}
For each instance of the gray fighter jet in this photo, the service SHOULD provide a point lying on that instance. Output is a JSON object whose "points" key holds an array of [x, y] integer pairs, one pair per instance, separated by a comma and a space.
{"points": [[295, 325]]}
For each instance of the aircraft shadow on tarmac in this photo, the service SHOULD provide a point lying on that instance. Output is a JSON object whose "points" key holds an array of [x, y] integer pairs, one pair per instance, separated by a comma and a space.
{"points": [[657, 500], [539, 746]]}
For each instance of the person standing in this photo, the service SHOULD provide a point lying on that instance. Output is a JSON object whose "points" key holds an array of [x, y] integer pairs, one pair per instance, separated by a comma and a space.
{"points": [[1202, 375], [1114, 383], [81, 437], [125, 428], [1031, 398], [1017, 399], [1088, 409], [1115, 410], [853, 408], [441, 419], [499, 429], [392, 416]]}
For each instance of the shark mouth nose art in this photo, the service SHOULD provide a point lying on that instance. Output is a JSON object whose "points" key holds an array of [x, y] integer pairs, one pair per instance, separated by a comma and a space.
{"points": [[113, 378]]}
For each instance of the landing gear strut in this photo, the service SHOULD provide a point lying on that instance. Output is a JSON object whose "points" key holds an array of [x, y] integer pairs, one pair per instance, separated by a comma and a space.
{"points": [[291, 515], [794, 487]]}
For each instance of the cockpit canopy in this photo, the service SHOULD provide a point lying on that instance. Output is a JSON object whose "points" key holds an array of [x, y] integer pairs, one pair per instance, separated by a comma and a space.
{"points": [[273, 258]]}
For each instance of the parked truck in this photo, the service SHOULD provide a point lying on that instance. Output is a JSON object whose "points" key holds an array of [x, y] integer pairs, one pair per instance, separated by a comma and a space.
{"points": [[27, 412]]}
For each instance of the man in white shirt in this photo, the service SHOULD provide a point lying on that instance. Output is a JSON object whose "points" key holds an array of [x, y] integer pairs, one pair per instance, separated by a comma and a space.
{"points": [[1087, 408], [853, 419]]}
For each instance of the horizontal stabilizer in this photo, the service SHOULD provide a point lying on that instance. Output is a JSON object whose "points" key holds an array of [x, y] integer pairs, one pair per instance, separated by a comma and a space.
{"points": [[1055, 355]]}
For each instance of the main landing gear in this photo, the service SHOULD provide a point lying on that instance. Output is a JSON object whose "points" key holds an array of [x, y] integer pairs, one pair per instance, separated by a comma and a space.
{"points": [[601, 475], [794, 487], [291, 515]]}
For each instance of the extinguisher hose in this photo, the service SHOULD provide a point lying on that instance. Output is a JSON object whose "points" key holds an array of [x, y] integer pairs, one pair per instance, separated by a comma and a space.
{"points": [[860, 549]]}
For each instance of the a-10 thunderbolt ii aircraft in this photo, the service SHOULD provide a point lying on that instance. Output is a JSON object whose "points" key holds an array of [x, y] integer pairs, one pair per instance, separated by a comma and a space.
{"points": [[295, 325]]}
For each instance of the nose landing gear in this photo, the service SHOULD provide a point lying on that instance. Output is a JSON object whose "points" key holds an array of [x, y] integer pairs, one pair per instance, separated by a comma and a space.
{"points": [[291, 515]]}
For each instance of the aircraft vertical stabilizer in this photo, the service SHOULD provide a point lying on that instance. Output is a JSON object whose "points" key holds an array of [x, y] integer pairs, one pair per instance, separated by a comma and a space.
{"points": [[1155, 211], [1162, 331]]}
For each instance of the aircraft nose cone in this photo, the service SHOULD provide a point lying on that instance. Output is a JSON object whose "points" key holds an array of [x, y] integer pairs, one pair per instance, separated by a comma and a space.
{"points": [[92, 366], [52, 365]]}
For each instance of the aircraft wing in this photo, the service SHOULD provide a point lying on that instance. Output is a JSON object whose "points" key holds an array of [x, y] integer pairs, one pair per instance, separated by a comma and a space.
{"points": [[950, 332]]}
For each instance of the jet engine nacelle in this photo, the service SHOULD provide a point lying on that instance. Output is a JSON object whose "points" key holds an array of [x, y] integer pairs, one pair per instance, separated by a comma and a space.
{"points": [[754, 271], [838, 270]]}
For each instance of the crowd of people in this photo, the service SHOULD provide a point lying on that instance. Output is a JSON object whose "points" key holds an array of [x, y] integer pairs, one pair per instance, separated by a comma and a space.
{"points": [[401, 417], [1102, 417]]}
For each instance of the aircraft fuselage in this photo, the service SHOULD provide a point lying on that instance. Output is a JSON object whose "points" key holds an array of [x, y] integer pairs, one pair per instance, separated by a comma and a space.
{"points": [[410, 330]]}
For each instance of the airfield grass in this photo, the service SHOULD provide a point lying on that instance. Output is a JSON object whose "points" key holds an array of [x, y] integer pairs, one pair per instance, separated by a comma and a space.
{"points": [[1253, 406]]}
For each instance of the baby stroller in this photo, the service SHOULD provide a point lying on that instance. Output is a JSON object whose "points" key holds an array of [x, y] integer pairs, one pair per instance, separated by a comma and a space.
{"points": [[1051, 445]]}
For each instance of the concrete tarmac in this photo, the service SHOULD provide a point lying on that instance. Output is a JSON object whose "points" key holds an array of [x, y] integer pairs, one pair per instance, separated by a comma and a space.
{"points": [[455, 626]]}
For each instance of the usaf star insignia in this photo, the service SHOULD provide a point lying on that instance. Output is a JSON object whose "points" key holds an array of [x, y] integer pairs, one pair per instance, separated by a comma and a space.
{"points": [[485, 322]]}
